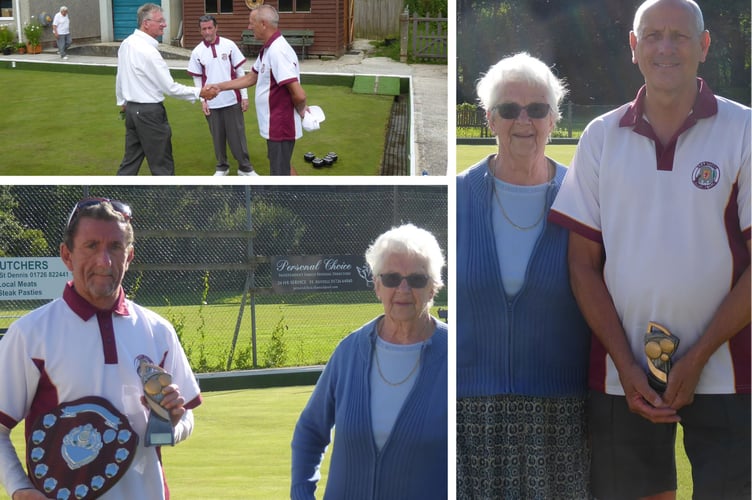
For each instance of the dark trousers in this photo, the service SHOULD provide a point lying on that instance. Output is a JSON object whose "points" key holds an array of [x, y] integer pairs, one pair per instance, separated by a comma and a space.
{"points": [[280, 156], [147, 134], [227, 127]]}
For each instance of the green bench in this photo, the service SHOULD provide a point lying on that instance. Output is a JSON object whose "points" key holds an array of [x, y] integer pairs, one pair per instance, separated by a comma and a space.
{"points": [[296, 38]]}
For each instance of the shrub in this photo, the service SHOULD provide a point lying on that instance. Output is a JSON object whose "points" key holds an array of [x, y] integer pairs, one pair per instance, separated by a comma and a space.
{"points": [[33, 32]]}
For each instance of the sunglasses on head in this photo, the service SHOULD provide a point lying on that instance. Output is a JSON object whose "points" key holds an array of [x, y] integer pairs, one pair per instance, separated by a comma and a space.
{"points": [[511, 110], [118, 206], [393, 280]]}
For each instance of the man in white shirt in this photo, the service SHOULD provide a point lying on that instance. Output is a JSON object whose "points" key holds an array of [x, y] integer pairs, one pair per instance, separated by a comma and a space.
{"points": [[143, 79], [280, 98], [61, 30], [216, 59], [82, 353]]}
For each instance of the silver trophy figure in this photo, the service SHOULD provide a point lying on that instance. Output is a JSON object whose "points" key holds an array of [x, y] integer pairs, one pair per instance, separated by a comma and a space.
{"points": [[159, 426]]}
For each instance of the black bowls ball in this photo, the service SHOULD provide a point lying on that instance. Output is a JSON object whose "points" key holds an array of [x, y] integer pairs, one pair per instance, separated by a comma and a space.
{"points": [[317, 162], [332, 155], [309, 157], [328, 161]]}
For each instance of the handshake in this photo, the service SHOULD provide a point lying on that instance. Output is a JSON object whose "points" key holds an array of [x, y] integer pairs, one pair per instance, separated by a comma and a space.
{"points": [[210, 91]]}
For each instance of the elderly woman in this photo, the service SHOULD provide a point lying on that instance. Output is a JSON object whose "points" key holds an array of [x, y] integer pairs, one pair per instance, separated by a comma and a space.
{"points": [[384, 388], [522, 345]]}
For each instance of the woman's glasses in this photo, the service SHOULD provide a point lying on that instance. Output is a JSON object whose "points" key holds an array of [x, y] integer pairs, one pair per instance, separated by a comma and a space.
{"points": [[393, 280], [119, 207], [511, 110]]}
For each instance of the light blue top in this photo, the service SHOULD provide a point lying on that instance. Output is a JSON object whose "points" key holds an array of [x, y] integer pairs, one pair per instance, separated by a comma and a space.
{"points": [[399, 364], [525, 206]]}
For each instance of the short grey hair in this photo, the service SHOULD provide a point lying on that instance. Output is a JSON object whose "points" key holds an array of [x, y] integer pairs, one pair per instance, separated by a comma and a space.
{"points": [[689, 4], [145, 11], [63, 7], [269, 14], [412, 241], [524, 68]]}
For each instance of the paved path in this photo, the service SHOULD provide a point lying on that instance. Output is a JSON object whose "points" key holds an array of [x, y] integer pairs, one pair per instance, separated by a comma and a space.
{"points": [[429, 83]]}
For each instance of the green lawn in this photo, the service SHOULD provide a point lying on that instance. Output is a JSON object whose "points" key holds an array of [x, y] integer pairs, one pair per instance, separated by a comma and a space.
{"points": [[67, 123], [311, 331], [467, 156], [240, 448]]}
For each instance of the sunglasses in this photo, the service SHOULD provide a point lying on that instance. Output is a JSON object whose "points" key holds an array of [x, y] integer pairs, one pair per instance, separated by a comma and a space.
{"points": [[119, 207], [393, 280], [511, 110]]}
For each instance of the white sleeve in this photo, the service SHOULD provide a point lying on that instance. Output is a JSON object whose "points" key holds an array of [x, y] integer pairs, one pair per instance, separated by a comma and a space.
{"points": [[240, 72], [743, 197], [184, 428], [578, 197], [237, 55], [12, 474], [160, 74]]}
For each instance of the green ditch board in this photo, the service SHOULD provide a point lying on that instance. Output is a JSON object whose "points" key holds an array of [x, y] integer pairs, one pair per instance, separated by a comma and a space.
{"points": [[380, 85]]}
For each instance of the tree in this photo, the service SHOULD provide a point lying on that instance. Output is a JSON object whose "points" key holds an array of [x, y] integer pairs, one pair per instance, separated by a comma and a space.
{"points": [[586, 43], [15, 239]]}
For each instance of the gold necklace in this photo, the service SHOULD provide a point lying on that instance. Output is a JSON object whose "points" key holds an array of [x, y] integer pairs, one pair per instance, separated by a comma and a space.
{"points": [[379, 329], [501, 205], [409, 375]]}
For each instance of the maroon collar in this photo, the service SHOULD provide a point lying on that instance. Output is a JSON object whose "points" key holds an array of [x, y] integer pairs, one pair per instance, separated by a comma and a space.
{"points": [[85, 310], [216, 42], [271, 39], [705, 106]]}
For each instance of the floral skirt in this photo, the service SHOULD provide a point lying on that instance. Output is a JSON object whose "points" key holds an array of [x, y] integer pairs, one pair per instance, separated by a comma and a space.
{"points": [[521, 447]]}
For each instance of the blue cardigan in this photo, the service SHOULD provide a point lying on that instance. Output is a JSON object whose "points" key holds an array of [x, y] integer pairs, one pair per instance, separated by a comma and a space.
{"points": [[413, 462], [534, 344]]}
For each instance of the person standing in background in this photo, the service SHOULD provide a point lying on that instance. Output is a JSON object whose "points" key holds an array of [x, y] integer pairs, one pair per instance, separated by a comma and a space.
{"points": [[61, 30], [216, 59]]}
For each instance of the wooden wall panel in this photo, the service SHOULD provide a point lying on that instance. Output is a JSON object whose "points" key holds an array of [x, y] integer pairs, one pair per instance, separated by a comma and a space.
{"points": [[325, 19]]}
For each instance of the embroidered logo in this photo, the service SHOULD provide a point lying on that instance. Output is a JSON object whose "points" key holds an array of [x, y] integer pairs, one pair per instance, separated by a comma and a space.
{"points": [[706, 175]]}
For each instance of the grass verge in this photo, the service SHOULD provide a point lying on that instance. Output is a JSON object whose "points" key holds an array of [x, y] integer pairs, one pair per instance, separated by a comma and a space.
{"points": [[67, 123], [467, 156]]}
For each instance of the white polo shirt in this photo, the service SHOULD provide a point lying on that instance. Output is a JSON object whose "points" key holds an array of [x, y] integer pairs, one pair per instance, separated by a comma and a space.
{"points": [[218, 62], [674, 222], [62, 23], [66, 350], [277, 65]]}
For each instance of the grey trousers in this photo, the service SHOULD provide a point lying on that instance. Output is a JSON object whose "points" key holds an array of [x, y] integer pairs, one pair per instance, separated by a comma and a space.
{"points": [[280, 155], [147, 134], [227, 127], [63, 42]]}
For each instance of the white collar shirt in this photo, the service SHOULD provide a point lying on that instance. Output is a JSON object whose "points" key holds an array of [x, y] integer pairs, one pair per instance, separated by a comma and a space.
{"points": [[143, 75]]}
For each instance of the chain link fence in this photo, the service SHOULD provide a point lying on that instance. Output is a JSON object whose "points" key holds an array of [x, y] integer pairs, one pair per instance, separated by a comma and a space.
{"points": [[204, 254]]}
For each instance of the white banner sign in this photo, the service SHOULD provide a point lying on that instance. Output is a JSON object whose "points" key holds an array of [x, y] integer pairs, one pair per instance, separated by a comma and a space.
{"points": [[32, 278]]}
